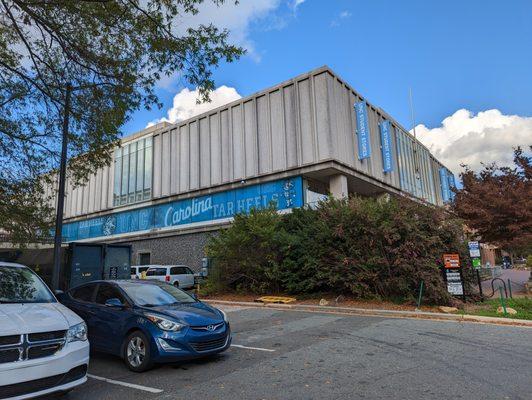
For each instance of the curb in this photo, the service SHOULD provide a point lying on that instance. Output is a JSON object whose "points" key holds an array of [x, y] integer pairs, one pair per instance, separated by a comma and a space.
{"points": [[379, 313]]}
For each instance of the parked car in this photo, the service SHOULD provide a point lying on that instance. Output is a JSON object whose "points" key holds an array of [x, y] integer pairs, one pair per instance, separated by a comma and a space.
{"points": [[138, 271], [147, 322], [180, 276], [43, 344]]}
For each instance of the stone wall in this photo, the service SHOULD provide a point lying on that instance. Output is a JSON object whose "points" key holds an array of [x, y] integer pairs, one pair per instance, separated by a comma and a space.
{"points": [[179, 249]]}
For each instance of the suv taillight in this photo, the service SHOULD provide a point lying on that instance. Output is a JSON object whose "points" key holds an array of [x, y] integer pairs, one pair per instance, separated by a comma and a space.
{"points": [[167, 278]]}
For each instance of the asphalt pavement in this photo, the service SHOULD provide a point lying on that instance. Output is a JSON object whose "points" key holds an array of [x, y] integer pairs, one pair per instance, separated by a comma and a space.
{"points": [[303, 355]]}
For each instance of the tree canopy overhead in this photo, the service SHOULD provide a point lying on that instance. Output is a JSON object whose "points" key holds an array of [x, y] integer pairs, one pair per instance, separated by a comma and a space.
{"points": [[112, 52], [497, 202]]}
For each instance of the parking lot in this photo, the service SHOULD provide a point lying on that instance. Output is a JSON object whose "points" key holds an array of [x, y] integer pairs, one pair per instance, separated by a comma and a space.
{"points": [[299, 355]]}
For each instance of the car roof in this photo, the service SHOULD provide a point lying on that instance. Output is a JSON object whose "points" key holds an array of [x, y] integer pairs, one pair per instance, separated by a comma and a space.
{"points": [[120, 281], [10, 264]]}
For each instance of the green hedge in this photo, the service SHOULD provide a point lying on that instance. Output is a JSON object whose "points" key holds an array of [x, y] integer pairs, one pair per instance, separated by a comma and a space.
{"points": [[364, 247]]}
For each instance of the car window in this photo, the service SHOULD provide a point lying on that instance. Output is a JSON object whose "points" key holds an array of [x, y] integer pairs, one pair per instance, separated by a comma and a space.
{"points": [[155, 295], [133, 271], [174, 271], [143, 269], [22, 285], [156, 272], [180, 271], [106, 292], [189, 271], [83, 293]]}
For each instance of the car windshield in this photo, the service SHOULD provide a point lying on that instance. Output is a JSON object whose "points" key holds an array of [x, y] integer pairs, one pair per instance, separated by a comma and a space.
{"points": [[156, 295], [21, 285]]}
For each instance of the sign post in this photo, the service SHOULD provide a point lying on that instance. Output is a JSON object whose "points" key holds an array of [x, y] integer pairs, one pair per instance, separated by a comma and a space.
{"points": [[453, 275]]}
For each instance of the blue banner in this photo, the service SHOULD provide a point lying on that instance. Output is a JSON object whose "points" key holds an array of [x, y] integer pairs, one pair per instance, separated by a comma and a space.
{"points": [[283, 194], [444, 182], [452, 184], [363, 132], [386, 146]]}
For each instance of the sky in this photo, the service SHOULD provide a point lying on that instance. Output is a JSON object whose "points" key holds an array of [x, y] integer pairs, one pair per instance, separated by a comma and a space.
{"points": [[468, 64]]}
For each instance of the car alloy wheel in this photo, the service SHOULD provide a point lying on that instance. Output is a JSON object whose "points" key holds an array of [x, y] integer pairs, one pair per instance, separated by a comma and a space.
{"points": [[136, 351], [137, 354]]}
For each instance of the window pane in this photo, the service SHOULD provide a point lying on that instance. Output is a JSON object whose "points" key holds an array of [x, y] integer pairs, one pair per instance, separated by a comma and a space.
{"points": [[118, 176], [125, 173], [147, 164], [140, 166], [132, 168]]}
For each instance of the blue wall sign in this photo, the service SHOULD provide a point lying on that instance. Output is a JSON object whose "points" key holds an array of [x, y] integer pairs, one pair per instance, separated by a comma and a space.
{"points": [[363, 132], [444, 182], [285, 193], [452, 184], [386, 146]]}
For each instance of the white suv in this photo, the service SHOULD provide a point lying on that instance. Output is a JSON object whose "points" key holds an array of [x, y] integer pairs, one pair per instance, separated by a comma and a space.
{"points": [[43, 344], [180, 276]]}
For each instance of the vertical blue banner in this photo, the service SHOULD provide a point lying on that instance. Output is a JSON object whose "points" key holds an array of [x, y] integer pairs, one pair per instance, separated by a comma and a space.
{"points": [[444, 181], [363, 132], [452, 184], [386, 146]]}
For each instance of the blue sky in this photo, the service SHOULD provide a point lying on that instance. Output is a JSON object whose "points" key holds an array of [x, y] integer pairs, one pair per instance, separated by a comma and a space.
{"points": [[470, 54]]}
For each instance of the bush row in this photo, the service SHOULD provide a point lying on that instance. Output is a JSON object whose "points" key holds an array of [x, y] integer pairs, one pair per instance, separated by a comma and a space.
{"points": [[363, 247]]}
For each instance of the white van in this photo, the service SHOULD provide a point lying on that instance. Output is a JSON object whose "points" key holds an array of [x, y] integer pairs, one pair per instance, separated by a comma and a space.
{"points": [[180, 276], [43, 345]]}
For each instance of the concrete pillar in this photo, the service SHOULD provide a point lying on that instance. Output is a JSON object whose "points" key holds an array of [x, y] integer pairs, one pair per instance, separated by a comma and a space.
{"points": [[338, 186]]}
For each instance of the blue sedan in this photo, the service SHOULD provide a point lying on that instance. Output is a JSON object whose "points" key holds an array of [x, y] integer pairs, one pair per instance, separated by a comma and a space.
{"points": [[147, 322]]}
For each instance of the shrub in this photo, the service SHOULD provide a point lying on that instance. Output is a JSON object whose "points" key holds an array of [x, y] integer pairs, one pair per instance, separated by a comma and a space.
{"points": [[363, 247]]}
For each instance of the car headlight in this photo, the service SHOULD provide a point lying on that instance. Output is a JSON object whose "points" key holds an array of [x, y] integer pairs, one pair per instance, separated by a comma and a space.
{"points": [[165, 324], [77, 333], [224, 315]]}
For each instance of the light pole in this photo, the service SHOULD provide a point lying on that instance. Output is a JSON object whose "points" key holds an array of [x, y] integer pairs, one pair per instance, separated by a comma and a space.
{"points": [[61, 192]]}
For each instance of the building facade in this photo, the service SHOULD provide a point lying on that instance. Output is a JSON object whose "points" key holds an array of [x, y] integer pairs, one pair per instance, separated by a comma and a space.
{"points": [[171, 186]]}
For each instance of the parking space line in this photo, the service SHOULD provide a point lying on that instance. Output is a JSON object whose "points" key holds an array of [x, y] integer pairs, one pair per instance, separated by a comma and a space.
{"points": [[126, 384], [251, 348]]}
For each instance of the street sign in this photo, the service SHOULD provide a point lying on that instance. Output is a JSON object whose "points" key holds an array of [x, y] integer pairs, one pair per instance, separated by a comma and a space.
{"points": [[451, 261], [476, 262], [474, 249], [453, 275]]}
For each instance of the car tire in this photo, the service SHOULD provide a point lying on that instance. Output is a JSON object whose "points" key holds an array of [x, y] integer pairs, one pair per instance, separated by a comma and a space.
{"points": [[137, 352], [176, 284]]}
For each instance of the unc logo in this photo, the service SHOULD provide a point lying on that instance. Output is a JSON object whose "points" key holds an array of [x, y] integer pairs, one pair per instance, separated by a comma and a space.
{"points": [[109, 226]]}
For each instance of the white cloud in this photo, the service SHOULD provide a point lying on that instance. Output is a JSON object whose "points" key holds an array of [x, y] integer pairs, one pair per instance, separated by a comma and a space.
{"points": [[338, 20], [466, 138], [185, 105], [296, 4], [237, 18]]}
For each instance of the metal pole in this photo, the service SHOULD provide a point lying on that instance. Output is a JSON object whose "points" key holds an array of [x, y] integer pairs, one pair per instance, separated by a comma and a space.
{"points": [[420, 294], [510, 288], [502, 302], [61, 192], [480, 285]]}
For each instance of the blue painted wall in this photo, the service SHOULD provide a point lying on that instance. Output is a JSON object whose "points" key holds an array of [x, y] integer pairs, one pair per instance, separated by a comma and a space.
{"points": [[285, 193]]}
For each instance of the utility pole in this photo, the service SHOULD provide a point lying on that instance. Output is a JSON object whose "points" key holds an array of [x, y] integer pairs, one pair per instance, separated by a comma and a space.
{"points": [[61, 192]]}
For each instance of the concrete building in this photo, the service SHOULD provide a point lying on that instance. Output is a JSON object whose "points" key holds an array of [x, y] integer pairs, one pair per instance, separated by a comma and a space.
{"points": [[170, 186]]}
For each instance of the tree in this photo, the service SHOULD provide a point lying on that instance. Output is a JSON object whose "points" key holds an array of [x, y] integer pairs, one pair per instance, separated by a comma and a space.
{"points": [[112, 52], [497, 202]]}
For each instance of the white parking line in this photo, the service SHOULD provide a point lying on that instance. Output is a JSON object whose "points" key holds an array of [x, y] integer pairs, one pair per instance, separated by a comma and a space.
{"points": [[126, 384], [251, 348]]}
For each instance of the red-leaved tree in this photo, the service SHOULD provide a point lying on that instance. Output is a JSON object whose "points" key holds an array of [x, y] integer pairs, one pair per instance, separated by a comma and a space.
{"points": [[497, 202]]}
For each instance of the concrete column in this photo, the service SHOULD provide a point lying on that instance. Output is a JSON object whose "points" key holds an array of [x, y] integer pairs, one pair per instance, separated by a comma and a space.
{"points": [[338, 186]]}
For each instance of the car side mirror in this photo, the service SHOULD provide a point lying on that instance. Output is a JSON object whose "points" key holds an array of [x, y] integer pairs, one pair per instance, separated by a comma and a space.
{"points": [[114, 302], [59, 294]]}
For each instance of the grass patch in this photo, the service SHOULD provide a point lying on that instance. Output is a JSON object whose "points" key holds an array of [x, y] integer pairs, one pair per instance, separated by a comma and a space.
{"points": [[523, 306]]}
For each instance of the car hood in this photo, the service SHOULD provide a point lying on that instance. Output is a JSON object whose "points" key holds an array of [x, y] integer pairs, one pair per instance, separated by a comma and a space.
{"points": [[193, 314], [16, 319]]}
